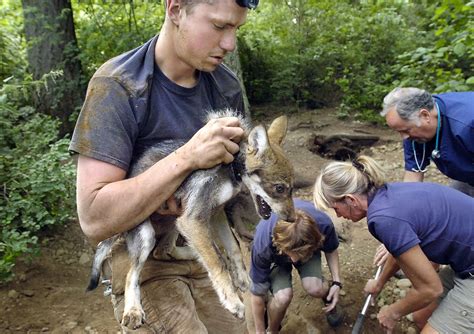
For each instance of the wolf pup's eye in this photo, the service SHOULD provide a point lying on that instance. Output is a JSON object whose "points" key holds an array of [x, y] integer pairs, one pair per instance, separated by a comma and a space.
{"points": [[280, 188]]}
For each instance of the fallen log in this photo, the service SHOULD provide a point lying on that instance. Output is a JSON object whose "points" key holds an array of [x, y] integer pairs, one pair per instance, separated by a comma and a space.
{"points": [[342, 146]]}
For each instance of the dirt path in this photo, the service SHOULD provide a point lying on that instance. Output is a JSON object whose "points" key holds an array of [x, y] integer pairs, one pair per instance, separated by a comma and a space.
{"points": [[47, 296]]}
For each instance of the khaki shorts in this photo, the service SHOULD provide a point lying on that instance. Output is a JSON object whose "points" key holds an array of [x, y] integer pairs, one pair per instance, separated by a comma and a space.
{"points": [[177, 297], [280, 276], [455, 313]]}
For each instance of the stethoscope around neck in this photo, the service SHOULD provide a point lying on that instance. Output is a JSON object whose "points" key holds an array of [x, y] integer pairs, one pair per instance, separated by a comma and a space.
{"points": [[435, 154]]}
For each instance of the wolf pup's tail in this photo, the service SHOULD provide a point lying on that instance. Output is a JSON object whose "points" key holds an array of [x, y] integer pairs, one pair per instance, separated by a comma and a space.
{"points": [[102, 250]]}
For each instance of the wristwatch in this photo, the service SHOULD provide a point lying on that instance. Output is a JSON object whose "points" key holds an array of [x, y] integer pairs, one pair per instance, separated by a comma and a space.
{"points": [[339, 284]]}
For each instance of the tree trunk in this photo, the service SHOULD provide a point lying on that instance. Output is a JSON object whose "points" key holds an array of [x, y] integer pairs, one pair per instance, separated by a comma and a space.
{"points": [[232, 60], [52, 46]]}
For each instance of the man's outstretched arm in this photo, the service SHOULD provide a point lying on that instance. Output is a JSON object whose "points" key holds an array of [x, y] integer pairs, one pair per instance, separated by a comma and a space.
{"points": [[109, 204]]}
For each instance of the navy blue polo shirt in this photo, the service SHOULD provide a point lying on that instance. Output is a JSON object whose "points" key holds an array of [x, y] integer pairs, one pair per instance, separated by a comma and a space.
{"points": [[456, 139], [436, 217], [264, 254]]}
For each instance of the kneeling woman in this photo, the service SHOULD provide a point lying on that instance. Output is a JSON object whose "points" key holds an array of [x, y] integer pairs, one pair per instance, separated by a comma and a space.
{"points": [[417, 223], [277, 247]]}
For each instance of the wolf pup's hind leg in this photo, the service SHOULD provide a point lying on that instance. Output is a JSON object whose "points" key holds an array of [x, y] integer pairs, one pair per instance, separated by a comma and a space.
{"points": [[101, 252], [198, 234], [237, 270], [140, 243]]}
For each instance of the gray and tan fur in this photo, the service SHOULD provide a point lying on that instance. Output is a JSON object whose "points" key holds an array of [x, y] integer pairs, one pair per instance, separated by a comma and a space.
{"points": [[260, 165]]}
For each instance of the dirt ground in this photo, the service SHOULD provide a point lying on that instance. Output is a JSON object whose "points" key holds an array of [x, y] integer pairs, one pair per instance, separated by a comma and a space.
{"points": [[47, 295]]}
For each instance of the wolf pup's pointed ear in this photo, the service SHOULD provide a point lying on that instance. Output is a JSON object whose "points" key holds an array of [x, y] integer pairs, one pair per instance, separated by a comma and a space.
{"points": [[258, 140], [277, 130]]}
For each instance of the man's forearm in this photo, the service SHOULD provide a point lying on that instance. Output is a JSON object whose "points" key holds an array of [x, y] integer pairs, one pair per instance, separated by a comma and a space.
{"points": [[108, 204], [110, 207]]}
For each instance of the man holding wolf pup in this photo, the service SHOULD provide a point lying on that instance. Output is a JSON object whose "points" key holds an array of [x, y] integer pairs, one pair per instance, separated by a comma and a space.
{"points": [[158, 91]]}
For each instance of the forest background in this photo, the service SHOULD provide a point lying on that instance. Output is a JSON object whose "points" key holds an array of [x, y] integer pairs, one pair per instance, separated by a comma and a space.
{"points": [[301, 54]]}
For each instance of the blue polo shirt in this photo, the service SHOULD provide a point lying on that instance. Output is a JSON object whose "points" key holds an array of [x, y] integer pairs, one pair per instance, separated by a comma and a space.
{"points": [[436, 217], [456, 139], [264, 254]]}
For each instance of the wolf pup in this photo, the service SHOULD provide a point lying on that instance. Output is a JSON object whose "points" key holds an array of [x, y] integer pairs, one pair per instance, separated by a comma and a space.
{"points": [[260, 165]]}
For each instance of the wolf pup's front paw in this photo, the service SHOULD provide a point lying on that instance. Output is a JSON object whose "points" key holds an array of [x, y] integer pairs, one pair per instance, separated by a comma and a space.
{"points": [[134, 318]]}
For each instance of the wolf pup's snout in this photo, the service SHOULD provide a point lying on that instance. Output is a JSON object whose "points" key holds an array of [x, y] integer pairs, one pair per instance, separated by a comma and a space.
{"points": [[288, 214]]}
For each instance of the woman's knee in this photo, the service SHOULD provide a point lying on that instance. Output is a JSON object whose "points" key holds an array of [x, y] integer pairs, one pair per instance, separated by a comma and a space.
{"points": [[283, 297], [314, 287], [316, 292]]}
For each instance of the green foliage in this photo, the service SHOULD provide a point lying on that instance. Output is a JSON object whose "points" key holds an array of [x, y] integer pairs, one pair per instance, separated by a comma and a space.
{"points": [[447, 62], [324, 53], [12, 46], [107, 29], [36, 174], [36, 178]]}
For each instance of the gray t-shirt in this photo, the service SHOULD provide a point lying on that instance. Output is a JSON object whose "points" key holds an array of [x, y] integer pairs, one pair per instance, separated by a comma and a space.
{"points": [[176, 112]]}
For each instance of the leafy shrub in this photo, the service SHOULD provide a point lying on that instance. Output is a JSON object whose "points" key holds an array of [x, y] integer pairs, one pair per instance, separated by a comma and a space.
{"points": [[324, 53], [13, 52], [372, 42], [107, 29], [447, 62], [36, 178]]}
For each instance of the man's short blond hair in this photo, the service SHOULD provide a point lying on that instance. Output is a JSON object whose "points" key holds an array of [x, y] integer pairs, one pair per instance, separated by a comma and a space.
{"points": [[189, 5]]}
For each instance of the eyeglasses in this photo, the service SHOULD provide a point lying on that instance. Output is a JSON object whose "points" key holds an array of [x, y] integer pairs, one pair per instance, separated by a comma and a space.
{"points": [[250, 4]]}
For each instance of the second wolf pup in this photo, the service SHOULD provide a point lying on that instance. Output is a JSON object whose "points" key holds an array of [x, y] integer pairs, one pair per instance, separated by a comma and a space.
{"points": [[260, 165]]}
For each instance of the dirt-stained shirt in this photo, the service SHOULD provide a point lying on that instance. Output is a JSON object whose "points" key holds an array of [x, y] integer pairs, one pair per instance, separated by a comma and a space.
{"points": [[130, 105]]}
